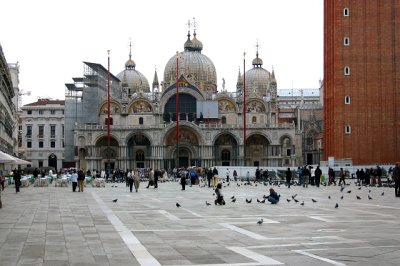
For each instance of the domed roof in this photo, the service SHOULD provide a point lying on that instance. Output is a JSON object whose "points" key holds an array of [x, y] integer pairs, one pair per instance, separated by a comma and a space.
{"points": [[135, 80], [258, 78], [193, 65]]}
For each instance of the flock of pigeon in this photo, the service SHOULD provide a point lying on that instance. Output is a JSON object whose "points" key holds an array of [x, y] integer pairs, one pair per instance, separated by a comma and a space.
{"points": [[293, 198]]}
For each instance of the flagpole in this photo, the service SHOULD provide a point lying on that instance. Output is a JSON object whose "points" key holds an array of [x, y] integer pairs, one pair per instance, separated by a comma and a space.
{"points": [[244, 108], [108, 111], [177, 111]]}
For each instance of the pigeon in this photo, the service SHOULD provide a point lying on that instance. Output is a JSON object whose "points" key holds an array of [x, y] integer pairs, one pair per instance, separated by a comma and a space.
{"points": [[341, 189], [232, 197], [383, 193], [359, 188], [329, 197], [358, 197], [369, 191], [341, 197], [248, 201], [263, 201], [177, 205], [369, 197], [288, 200], [208, 204], [295, 200], [295, 195], [302, 204], [258, 200], [336, 206], [238, 184], [233, 200], [313, 200], [114, 200], [349, 191], [259, 222]]}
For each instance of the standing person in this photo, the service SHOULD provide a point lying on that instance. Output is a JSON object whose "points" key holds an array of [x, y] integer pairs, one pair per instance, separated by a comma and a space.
{"points": [[136, 179], [299, 174], [183, 178], [74, 179], [227, 175], [235, 175], [265, 175], [342, 177], [331, 176], [129, 179], [2, 180], [151, 178], [379, 175], [157, 175], [17, 180], [288, 177], [209, 176], [305, 175], [81, 178], [318, 174], [215, 177], [248, 177], [396, 178]]}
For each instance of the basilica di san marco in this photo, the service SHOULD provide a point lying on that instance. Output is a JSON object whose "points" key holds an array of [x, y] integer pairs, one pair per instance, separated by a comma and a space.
{"points": [[214, 126]]}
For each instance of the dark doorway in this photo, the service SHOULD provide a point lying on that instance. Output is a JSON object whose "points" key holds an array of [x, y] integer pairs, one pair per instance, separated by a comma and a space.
{"points": [[53, 161], [184, 161], [140, 164], [111, 164], [309, 158], [256, 163], [225, 163]]}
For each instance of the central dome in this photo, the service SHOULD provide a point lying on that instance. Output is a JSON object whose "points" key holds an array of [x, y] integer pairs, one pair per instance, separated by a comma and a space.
{"points": [[193, 66], [135, 80], [258, 78]]}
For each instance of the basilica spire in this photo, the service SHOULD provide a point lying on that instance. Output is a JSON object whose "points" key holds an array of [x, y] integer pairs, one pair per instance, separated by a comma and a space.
{"points": [[155, 85], [130, 64]]}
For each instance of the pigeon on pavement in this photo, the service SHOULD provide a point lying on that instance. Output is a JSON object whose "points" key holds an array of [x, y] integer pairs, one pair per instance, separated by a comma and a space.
{"points": [[177, 205]]}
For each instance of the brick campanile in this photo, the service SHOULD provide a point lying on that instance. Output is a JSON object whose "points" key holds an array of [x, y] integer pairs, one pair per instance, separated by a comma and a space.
{"points": [[362, 80]]}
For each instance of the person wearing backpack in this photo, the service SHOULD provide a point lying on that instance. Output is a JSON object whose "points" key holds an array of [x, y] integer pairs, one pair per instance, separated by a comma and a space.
{"points": [[193, 177]]}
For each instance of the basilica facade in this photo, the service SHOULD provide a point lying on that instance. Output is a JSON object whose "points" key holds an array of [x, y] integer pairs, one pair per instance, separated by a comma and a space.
{"points": [[151, 127]]}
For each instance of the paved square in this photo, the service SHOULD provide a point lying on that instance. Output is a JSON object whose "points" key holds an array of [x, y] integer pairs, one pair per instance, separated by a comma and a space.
{"points": [[54, 226]]}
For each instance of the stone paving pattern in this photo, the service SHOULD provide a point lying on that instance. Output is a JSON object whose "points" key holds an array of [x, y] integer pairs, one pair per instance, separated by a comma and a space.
{"points": [[54, 226]]}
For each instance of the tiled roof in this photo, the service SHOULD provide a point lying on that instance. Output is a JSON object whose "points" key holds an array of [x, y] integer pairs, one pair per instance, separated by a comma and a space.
{"points": [[42, 102]]}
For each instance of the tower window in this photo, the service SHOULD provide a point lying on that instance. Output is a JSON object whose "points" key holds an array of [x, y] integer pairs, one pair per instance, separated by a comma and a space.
{"points": [[347, 129], [347, 99], [346, 12], [254, 120], [223, 120], [347, 71], [140, 120], [346, 41]]}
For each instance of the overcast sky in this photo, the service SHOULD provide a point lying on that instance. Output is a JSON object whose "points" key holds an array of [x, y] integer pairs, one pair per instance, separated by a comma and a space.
{"points": [[50, 39]]}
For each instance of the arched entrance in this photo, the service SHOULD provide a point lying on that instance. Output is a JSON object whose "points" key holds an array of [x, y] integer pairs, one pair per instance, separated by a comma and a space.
{"points": [[226, 150], [187, 152], [139, 151], [108, 154], [53, 161], [257, 150]]}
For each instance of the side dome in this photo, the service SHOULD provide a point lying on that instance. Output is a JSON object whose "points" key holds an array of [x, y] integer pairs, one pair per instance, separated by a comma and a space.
{"points": [[135, 80], [258, 78], [193, 65]]}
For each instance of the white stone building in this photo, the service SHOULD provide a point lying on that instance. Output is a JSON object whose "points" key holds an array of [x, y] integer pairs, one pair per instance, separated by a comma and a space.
{"points": [[43, 133]]}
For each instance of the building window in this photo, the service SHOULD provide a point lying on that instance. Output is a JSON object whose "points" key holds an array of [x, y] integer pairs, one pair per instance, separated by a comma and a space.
{"points": [[62, 130], [29, 144], [52, 131], [41, 130], [347, 129], [140, 120], [40, 144], [346, 41], [347, 99], [106, 121], [41, 112], [347, 71], [288, 152], [19, 127], [226, 155], [29, 112], [254, 120], [53, 112], [63, 145], [223, 120], [346, 12], [140, 156], [52, 144], [29, 131]]}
